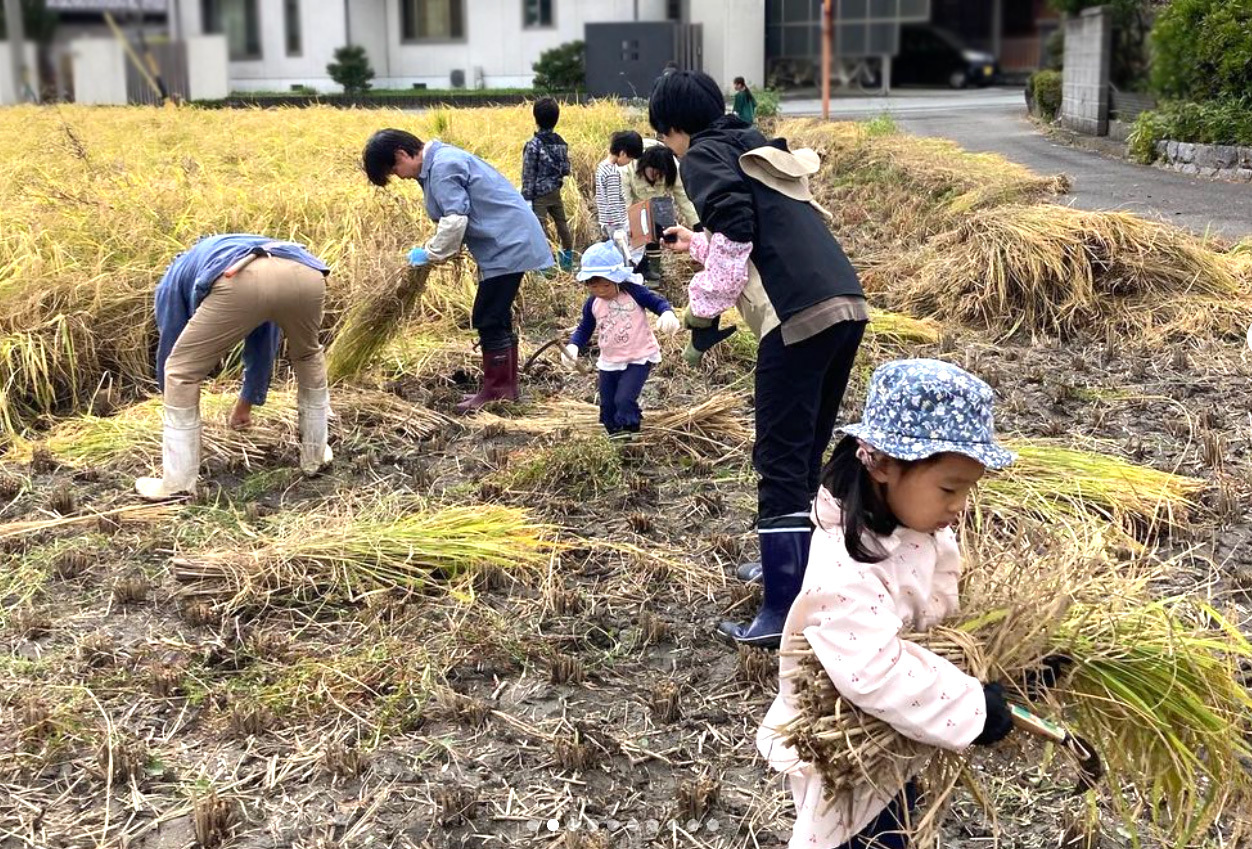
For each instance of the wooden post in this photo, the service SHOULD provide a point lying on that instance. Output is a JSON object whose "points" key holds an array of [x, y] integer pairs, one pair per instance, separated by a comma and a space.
{"points": [[17, 48], [828, 31]]}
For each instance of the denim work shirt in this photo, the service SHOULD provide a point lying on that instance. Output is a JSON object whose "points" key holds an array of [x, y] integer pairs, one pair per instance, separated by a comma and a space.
{"points": [[502, 233], [188, 281]]}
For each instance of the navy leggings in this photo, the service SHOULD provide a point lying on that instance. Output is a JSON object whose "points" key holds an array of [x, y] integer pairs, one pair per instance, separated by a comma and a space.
{"points": [[887, 831], [619, 397]]}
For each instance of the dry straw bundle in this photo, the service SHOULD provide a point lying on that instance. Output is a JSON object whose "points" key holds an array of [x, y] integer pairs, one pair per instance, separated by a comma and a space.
{"points": [[1153, 686], [716, 425], [343, 552], [1057, 270], [373, 322], [133, 436]]}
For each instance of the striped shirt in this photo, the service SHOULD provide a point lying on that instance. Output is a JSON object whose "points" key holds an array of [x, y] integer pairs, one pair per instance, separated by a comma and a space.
{"points": [[610, 205]]}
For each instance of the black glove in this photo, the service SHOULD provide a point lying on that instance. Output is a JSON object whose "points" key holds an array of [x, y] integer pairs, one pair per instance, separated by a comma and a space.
{"points": [[999, 718], [703, 338], [1051, 669]]}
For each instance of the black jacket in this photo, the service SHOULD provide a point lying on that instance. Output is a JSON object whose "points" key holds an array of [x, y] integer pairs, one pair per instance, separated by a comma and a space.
{"points": [[800, 262]]}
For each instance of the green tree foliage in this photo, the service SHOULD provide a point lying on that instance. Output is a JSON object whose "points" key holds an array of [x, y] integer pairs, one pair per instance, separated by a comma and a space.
{"points": [[562, 68], [351, 69], [1203, 50]]}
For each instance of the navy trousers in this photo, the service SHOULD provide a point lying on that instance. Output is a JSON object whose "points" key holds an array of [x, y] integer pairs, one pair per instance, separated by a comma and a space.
{"points": [[619, 397]]}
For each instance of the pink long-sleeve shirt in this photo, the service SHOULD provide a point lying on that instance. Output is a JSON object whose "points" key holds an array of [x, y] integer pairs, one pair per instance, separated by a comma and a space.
{"points": [[853, 615], [715, 289]]}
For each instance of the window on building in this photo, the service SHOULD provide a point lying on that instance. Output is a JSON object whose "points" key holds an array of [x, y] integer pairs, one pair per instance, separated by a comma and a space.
{"points": [[291, 26], [432, 20], [239, 21], [536, 13], [674, 10]]}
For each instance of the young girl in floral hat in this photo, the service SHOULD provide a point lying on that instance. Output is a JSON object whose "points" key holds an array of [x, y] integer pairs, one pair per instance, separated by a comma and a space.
{"points": [[883, 562], [615, 312]]}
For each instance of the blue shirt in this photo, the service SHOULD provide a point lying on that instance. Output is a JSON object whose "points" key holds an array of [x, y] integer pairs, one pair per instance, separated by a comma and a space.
{"points": [[503, 234], [187, 283]]}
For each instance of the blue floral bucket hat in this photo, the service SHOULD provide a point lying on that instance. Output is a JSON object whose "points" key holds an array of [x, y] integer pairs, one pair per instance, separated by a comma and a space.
{"points": [[603, 259], [918, 408]]}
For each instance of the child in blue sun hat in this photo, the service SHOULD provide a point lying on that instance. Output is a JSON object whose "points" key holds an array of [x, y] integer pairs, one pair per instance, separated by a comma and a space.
{"points": [[615, 312], [883, 562]]}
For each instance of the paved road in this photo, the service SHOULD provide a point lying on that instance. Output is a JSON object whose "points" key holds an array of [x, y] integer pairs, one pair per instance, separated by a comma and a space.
{"points": [[994, 120]]}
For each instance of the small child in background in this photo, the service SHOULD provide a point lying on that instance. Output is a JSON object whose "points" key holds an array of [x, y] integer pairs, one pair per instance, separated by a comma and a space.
{"points": [[745, 102], [655, 175], [884, 561], [628, 348], [545, 165], [624, 148]]}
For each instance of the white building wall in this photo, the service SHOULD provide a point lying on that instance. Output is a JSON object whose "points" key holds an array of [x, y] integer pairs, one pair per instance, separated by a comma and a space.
{"points": [[99, 71], [8, 93], [496, 42], [323, 30], [208, 67], [734, 39], [367, 26]]}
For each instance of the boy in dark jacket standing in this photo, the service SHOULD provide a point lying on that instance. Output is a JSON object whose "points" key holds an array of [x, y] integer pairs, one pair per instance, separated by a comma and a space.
{"points": [[545, 165], [767, 249]]}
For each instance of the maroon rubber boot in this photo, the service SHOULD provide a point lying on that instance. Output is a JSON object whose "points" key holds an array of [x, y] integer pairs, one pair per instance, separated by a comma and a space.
{"points": [[499, 380]]}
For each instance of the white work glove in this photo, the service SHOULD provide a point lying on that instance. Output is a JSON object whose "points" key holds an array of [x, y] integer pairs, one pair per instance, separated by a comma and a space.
{"points": [[669, 323], [569, 355]]}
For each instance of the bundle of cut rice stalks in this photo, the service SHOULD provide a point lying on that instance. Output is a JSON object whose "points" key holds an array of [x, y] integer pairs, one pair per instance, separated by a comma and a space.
{"points": [[717, 425], [1154, 686], [1057, 270], [1052, 481], [374, 321], [133, 436], [343, 553]]}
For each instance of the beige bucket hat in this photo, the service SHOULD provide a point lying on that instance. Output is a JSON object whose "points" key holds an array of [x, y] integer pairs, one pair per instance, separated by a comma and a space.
{"points": [[786, 172]]}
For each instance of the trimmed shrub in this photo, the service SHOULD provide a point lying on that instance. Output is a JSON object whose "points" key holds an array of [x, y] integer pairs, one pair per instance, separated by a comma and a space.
{"points": [[1203, 50], [351, 69], [562, 68], [1043, 91], [766, 102]]}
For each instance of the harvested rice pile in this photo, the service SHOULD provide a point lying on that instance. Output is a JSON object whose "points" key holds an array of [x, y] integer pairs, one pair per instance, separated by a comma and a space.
{"points": [[1063, 271]]}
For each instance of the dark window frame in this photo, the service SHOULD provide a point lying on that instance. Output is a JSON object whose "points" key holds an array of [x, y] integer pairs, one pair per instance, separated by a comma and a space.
{"points": [[289, 30], [409, 23], [539, 22], [211, 23]]}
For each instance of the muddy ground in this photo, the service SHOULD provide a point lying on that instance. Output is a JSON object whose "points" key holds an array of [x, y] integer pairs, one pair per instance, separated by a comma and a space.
{"points": [[588, 706]]}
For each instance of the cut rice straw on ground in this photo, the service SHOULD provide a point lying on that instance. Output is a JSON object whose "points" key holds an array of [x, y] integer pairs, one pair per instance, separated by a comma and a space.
{"points": [[133, 436], [326, 556], [1154, 685], [1055, 482], [1057, 270], [714, 426]]}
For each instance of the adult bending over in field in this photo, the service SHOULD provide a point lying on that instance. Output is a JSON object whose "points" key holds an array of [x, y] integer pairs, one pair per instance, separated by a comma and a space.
{"points": [[471, 202], [223, 290], [766, 249]]}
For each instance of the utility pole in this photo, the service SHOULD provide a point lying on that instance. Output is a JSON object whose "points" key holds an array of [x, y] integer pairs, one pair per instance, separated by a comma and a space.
{"points": [[828, 38], [17, 47]]}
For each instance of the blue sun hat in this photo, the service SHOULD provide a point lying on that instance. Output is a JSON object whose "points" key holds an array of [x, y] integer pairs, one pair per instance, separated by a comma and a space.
{"points": [[918, 408], [603, 259]]}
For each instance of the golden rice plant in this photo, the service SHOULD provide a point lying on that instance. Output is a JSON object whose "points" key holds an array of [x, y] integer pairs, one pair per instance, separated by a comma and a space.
{"points": [[1055, 482], [1153, 685], [94, 204], [344, 552], [1058, 270], [373, 321], [133, 436], [892, 189]]}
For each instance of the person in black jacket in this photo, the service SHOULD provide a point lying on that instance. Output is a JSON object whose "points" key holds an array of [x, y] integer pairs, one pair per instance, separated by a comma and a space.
{"points": [[766, 248]]}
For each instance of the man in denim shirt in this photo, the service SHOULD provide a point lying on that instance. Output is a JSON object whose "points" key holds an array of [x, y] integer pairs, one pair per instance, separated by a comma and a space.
{"points": [[471, 202], [225, 289]]}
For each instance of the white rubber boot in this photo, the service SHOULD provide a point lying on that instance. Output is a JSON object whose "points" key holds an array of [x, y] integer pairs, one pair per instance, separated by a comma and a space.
{"points": [[314, 411], [180, 456]]}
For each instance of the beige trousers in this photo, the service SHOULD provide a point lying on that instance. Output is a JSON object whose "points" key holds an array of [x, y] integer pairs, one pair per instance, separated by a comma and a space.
{"points": [[267, 289]]}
